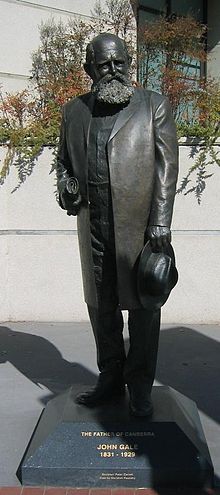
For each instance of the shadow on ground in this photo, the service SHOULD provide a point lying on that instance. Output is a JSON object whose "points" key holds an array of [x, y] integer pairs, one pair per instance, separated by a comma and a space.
{"points": [[41, 362], [188, 361]]}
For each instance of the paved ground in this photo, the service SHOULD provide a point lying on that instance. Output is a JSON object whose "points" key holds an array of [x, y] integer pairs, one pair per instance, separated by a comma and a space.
{"points": [[27, 490], [39, 360]]}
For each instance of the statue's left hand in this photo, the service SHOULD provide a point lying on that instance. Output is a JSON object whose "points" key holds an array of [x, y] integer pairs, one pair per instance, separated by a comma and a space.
{"points": [[158, 236]]}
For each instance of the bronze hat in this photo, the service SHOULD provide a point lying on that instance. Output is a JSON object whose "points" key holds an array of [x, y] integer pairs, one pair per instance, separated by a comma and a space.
{"points": [[157, 276]]}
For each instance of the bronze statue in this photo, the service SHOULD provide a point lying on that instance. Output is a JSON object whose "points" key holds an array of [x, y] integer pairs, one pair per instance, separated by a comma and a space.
{"points": [[117, 170]]}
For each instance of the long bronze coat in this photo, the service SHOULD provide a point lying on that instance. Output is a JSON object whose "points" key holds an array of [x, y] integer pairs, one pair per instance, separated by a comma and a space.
{"points": [[143, 165]]}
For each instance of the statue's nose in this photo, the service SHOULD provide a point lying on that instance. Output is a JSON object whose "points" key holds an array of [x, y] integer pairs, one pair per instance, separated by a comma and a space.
{"points": [[112, 67]]}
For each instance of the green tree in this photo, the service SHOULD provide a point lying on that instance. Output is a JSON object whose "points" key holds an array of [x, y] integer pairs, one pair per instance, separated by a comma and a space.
{"points": [[115, 16], [169, 51], [168, 48], [30, 119], [57, 64]]}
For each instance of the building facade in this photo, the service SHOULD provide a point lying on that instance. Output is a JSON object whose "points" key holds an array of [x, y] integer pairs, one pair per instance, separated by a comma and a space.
{"points": [[39, 259]]}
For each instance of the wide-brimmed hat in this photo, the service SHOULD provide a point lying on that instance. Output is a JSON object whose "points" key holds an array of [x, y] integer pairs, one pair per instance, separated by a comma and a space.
{"points": [[157, 276]]}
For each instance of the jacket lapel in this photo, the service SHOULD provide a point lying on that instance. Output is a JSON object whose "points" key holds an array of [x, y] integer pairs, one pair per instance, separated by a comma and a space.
{"points": [[87, 115], [125, 115]]}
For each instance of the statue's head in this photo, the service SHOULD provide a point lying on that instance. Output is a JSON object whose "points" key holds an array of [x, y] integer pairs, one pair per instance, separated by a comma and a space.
{"points": [[107, 63]]}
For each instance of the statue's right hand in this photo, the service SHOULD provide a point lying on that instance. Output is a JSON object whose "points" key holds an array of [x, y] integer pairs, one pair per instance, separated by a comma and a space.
{"points": [[70, 202]]}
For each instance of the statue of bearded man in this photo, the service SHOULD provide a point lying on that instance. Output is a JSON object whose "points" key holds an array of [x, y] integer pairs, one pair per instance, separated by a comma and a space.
{"points": [[117, 170]]}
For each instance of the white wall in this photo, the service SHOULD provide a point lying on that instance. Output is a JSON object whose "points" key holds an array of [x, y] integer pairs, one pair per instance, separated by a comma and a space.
{"points": [[196, 239], [19, 33], [39, 258]]}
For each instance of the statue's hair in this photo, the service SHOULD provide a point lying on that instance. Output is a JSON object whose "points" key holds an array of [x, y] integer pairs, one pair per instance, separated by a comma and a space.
{"points": [[90, 49]]}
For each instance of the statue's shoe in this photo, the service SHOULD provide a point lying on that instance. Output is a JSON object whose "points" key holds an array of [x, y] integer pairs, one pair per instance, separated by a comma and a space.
{"points": [[140, 400], [107, 387]]}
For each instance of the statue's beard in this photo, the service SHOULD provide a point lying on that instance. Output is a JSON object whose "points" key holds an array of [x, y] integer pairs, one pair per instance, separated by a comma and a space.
{"points": [[114, 90]]}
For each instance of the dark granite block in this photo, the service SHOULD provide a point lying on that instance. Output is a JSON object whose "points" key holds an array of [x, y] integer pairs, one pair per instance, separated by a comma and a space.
{"points": [[106, 447]]}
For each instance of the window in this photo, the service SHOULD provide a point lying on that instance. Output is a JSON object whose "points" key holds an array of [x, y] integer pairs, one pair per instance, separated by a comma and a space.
{"points": [[149, 11], [196, 8]]}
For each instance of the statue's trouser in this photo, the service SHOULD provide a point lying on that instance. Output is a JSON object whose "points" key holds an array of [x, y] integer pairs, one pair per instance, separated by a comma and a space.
{"points": [[144, 327], [107, 320]]}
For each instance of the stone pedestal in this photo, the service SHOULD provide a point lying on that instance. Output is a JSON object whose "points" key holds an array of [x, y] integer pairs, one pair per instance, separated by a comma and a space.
{"points": [[106, 447]]}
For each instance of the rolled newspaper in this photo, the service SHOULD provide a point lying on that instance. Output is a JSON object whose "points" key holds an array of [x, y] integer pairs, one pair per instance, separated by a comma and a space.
{"points": [[72, 186]]}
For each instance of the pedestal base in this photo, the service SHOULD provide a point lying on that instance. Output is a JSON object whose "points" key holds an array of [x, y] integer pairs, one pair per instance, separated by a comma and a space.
{"points": [[106, 447]]}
